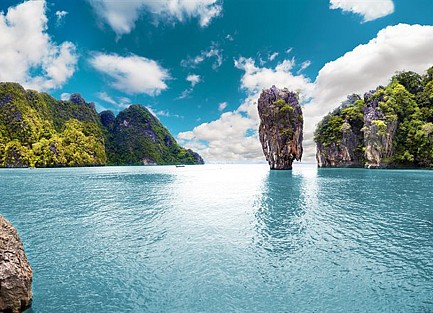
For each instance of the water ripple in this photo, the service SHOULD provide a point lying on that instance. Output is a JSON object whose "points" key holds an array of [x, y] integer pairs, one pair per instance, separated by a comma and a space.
{"points": [[224, 238]]}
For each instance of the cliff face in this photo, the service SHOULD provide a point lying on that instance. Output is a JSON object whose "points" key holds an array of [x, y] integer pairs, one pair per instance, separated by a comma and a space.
{"points": [[38, 130], [341, 148], [281, 125], [15, 271], [135, 136], [391, 126], [379, 131]]}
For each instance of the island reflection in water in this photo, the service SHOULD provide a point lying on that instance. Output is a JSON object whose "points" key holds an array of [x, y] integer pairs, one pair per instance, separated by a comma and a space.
{"points": [[224, 238]]}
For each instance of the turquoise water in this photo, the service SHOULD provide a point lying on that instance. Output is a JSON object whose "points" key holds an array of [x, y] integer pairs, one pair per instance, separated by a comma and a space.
{"points": [[224, 238]]}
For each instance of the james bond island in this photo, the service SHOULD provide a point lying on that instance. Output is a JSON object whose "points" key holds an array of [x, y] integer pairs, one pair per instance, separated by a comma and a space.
{"points": [[388, 127], [281, 127], [37, 130]]}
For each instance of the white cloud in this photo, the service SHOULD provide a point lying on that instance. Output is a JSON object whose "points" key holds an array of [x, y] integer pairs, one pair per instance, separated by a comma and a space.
{"points": [[369, 9], [185, 94], [234, 135], [132, 74], [121, 16], [222, 106], [164, 113], [65, 96], [304, 65], [395, 48], [121, 102], [273, 56], [60, 16], [27, 53], [213, 52], [193, 79]]}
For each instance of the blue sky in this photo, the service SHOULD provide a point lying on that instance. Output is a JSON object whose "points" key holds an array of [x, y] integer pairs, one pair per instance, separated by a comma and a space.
{"points": [[200, 65]]}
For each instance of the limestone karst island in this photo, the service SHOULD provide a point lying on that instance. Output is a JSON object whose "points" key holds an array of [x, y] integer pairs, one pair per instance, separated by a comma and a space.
{"points": [[281, 125], [216, 156], [390, 126]]}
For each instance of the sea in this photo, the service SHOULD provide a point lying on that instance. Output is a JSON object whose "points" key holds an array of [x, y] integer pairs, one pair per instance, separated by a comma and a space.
{"points": [[224, 238]]}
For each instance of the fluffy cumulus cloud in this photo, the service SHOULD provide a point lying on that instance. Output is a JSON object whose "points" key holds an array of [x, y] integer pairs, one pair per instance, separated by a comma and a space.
{"points": [[121, 16], [28, 55], [368, 9], [395, 48], [132, 74]]}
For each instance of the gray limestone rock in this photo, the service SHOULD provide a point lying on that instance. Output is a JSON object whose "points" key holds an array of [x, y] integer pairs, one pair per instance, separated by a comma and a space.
{"points": [[281, 126], [15, 271]]}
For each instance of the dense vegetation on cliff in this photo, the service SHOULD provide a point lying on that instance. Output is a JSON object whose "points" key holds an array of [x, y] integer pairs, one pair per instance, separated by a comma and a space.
{"points": [[135, 136], [38, 130], [391, 126]]}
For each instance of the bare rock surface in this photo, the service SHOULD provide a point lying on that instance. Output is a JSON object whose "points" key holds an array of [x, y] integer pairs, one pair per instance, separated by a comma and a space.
{"points": [[15, 271], [281, 126]]}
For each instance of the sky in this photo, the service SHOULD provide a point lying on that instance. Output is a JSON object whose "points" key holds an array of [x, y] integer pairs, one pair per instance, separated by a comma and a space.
{"points": [[200, 65]]}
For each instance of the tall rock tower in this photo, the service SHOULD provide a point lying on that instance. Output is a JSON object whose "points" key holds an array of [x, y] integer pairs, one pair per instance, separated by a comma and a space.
{"points": [[281, 124]]}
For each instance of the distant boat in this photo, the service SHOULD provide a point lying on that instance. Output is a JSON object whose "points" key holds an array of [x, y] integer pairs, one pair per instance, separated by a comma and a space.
{"points": [[180, 165]]}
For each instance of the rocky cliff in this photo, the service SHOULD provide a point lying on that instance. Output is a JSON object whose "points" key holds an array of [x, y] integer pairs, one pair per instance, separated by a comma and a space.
{"points": [[37, 130], [390, 126], [15, 271], [339, 138], [281, 125], [136, 137]]}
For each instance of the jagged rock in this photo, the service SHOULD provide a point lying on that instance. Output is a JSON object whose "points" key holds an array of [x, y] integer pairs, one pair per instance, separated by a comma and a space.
{"points": [[197, 157], [280, 130], [107, 118], [345, 151], [137, 137], [378, 132], [15, 271], [77, 99]]}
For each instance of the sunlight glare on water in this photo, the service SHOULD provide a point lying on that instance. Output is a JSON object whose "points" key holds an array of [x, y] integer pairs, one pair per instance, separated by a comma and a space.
{"points": [[219, 238]]}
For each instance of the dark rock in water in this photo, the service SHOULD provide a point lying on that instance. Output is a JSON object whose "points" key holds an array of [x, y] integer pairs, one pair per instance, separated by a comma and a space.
{"points": [[280, 130], [15, 271]]}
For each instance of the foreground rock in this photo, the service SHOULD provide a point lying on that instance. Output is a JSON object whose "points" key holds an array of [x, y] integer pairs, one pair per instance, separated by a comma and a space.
{"points": [[15, 271], [280, 130]]}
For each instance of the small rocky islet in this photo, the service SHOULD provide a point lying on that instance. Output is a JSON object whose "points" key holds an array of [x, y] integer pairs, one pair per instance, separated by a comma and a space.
{"points": [[281, 127], [37, 130]]}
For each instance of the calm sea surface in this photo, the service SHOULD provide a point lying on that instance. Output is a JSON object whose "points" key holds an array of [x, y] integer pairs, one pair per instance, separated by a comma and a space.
{"points": [[224, 238]]}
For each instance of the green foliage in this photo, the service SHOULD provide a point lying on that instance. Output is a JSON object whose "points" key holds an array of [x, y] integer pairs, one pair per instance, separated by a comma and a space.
{"points": [[381, 126], [136, 137], [329, 130], [286, 132], [38, 130], [407, 101]]}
